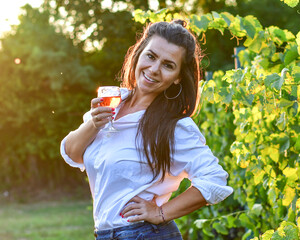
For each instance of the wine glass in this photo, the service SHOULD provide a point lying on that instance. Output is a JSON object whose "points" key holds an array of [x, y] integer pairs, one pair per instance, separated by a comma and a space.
{"points": [[111, 96]]}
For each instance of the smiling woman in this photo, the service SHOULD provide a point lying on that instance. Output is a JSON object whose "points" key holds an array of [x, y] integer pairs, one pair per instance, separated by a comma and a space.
{"points": [[158, 67], [10, 10], [133, 172]]}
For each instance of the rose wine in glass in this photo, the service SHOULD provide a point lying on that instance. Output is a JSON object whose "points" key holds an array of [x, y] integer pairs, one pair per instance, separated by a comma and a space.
{"points": [[111, 98]]}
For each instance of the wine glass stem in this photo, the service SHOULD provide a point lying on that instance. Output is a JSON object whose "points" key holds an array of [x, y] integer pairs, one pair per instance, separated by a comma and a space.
{"points": [[110, 124]]}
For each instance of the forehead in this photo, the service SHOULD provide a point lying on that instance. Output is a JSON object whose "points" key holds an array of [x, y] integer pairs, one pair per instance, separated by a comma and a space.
{"points": [[165, 49]]}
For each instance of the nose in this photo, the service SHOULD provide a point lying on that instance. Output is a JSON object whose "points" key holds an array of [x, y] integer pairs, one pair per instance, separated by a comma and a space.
{"points": [[155, 67]]}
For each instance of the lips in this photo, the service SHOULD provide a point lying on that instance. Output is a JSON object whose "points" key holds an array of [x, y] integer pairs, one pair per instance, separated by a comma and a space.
{"points": [[149, 79]]}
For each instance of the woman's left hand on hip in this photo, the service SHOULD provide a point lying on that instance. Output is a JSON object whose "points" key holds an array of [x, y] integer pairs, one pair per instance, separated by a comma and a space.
{"points": [[140, 209]]}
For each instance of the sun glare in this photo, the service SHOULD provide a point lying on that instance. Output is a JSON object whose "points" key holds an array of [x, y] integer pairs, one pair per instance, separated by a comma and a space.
{"points": [[17, 60], [10, 10]]}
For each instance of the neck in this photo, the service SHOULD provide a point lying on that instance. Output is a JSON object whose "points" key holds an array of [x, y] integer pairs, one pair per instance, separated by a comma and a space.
{"points": [[139, 101]]}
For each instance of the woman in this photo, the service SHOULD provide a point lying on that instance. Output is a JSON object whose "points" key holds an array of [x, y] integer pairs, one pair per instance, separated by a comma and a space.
{"points": [[133, 172]]}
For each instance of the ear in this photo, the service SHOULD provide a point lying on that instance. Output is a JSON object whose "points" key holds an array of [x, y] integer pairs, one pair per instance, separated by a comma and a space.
{"points": [[177, 81]]}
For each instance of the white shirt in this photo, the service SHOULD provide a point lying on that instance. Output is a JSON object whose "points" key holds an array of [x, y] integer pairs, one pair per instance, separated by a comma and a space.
{"points": [[116, 174]]}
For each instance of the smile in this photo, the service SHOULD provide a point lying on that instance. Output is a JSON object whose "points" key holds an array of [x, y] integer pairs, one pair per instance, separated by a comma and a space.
{"points": [[149, 79]]}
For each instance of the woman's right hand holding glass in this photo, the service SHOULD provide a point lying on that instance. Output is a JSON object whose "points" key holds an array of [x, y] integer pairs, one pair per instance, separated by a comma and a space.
{"points": [[100, 115]]}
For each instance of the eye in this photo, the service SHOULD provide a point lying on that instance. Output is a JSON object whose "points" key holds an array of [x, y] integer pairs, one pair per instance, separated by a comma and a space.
{"points": [[150, 56], [169, 66]]}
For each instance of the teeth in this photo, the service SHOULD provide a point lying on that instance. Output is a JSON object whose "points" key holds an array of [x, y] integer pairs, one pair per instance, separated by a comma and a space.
{"points": [[150, 79]]}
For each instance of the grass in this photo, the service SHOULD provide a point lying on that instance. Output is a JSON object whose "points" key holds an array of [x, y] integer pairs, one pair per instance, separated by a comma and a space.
{"points": [[62, 220]]}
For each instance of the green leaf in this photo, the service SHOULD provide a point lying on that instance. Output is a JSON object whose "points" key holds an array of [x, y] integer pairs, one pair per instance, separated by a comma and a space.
{"points": [[296, 73], [200, 222], [281, 122], [158, 15], [298, 42], [272, 195], [200, 24], [233, 76], [287, 231], [267, 235], [207, 230], [226, 94], [258, 176], [291, 173], [140, 16], [208, 91], [242, 95], [280, 36], [220, 228], [215, 14], [250, 137], [273, 81], [289, 195], [297, 144], [247, 234], [291, 54], [256, 209], [291, 3], [284, 143], [231, 221], [250, 24], [218, 23], [228, 17], [291, 232], [235, 27], [285, 103], [245, 221], [256, 44]]}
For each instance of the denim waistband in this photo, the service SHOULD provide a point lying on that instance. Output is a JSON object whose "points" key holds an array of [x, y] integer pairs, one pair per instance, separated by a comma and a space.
{"points": [[133, 226], [135, 229]]}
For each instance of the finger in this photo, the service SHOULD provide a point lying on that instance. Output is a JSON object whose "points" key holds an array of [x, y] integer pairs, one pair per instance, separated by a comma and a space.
{"points": [[130, 208], [100, 123], [95, 102], [102, 116], [136, 199], [133, 212], [99, 110], [136, 218]]}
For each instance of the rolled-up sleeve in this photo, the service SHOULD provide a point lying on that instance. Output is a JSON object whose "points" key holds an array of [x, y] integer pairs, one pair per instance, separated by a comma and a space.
{"points": [[196, 159], [63, 153]]}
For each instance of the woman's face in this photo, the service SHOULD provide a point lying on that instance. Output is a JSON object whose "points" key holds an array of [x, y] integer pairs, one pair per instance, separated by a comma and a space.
{"points": [[158, 66]]}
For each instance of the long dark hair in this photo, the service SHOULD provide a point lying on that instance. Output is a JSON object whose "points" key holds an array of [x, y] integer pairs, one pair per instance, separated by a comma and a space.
{"points": [[157, 126]]}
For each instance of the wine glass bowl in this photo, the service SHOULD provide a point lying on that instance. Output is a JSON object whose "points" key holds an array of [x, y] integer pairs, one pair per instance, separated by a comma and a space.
{"points": [[111, 96]]}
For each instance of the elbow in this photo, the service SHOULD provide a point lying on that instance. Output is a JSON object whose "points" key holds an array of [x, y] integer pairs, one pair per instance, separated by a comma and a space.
{"points": [[72, 151]]}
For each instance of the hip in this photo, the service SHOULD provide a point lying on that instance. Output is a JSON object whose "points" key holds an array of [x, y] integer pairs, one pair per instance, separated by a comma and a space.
{"points": [[141, 231]]}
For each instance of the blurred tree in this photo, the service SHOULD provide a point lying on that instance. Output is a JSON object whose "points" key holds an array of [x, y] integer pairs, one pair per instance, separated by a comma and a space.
{"points": [[269, 13], [105, 32], [110, 27], [43, 93], [219, 49]]}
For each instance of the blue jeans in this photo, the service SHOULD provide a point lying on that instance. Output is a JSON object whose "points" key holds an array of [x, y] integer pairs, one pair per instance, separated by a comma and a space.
{"points": [[141, 231]]}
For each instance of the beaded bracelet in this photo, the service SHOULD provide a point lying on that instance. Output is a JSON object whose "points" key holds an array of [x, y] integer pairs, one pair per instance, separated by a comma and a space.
{"points": [[162, 214]]}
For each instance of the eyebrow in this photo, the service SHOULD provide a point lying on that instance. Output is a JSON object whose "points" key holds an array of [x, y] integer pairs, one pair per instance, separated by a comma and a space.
{"points": [[168, 61]]}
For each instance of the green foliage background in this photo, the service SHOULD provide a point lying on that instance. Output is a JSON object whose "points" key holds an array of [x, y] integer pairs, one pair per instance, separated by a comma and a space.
{"points": [[250, 115]]}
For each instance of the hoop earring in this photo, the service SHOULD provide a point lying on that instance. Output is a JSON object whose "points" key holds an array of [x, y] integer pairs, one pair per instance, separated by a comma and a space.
{"points": [[170, 98]]}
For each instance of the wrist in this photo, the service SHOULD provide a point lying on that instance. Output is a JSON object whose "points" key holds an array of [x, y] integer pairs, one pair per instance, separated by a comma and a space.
{"points": [[93, 126], [162, 215]]}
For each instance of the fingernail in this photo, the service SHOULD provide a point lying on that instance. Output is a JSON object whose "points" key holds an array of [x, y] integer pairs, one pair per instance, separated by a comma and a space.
{"points": [[101, 99], [113, 109], [113, 112], [112, 118], [127, 220], [122, 216]]}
